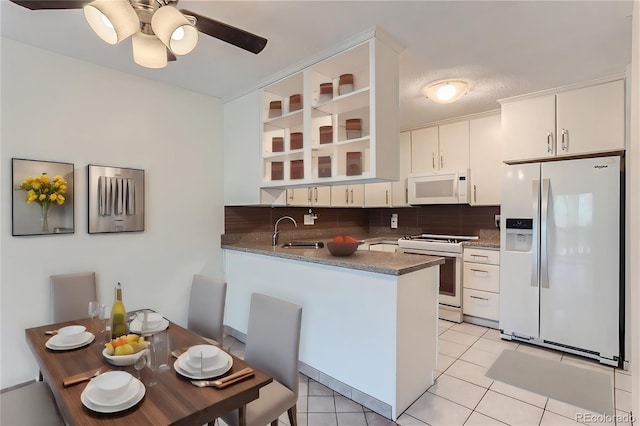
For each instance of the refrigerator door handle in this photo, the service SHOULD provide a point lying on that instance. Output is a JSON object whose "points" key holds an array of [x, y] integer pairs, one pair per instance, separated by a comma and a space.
{"points": [[544, 270], [535, 186]]}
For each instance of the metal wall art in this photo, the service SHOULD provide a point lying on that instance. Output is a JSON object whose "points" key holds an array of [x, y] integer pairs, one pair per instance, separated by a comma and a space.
{"points": [[116, 199], [42, 201]]}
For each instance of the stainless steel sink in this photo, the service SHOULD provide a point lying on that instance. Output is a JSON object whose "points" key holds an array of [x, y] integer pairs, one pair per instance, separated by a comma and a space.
{"points": [[304, 244]]}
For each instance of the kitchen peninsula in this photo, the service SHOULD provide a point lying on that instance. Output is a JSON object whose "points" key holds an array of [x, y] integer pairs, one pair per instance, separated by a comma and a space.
{"points": [[369, 321]]}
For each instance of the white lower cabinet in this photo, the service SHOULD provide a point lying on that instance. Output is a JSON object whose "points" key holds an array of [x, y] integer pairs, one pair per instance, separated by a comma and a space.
{"points": [[481, 283]]}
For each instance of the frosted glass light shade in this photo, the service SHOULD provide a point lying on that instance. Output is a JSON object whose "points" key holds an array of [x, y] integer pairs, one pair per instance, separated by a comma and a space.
{"points": [[446, 91], [112, 20], [173, 29], [148, 51]]}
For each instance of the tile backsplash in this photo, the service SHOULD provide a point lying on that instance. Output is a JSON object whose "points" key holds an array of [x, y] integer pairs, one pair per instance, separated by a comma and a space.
{"points": [[436, 219]]}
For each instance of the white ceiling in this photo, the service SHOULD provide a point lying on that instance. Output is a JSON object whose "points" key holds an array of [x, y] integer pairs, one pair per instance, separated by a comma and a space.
{"points": [[505, 48]]}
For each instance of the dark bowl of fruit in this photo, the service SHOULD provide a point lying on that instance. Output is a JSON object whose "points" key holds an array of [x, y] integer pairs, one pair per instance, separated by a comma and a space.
{"points": [[343, 246]]}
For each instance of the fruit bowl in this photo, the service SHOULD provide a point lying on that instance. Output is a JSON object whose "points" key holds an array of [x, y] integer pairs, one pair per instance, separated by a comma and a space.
{"points": [[342, 249], [122, 360]]}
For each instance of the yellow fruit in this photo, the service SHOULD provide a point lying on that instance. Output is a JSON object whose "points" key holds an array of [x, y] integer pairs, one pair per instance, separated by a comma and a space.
{"points": [[110, 348], [125, 349], [141, 339], [132, 338]]}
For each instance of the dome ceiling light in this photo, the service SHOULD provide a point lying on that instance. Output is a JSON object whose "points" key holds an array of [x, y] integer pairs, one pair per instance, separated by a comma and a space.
{"points": [[446, 91]]}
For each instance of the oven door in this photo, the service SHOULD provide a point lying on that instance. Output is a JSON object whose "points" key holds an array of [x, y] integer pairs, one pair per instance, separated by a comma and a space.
{"points": [[450, 276]]}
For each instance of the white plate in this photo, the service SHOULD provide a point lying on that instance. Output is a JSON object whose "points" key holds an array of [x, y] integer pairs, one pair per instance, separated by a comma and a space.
{"points": [[122, 360], [135, 393], [207, 374], [54, 344], [136, 327]]}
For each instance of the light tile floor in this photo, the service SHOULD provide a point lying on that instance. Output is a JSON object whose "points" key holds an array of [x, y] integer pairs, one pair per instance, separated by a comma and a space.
{"points": [[462, 394]]}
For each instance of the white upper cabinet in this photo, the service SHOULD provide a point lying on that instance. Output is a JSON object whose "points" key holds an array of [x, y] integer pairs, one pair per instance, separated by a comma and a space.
{"points": [[591, 119], [377, 194], [424, 150], [453, 142], [399, 188], [392, 194], [347, 195], [319, 196], [349, 134], [444, 147], [484, 160], [580, 121]]}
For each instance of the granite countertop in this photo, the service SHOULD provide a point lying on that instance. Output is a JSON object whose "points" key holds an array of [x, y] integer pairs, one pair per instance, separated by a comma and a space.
{"points": [[492, 243], [364, 260]]}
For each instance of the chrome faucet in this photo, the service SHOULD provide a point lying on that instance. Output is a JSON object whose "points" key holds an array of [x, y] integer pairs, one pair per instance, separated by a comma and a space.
{"points": [[274, 238]]}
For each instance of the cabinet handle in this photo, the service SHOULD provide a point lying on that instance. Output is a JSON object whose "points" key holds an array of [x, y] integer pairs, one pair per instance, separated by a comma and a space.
{"points": [[479, 298], [309, 194], [549, 142], [475, 198], [406, 195], [484, 256], [433, 160], [352, 196], [441, 161], [346, 195], [291, 196], [386, 196], [565, 140], [316, 192], [479, 270]]}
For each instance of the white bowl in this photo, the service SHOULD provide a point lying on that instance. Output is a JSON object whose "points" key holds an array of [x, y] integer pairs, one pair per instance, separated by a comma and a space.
{"points": [[123, 360], [71, 335], [154, 319], [110, 385], [205, 353]]}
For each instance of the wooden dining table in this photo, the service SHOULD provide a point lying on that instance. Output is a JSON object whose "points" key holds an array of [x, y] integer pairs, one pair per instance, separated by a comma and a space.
{"points": [[174, 400]]}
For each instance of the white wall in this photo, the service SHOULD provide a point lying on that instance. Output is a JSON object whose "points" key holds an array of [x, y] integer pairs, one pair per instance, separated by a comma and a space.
{"points": [[60, 109]]}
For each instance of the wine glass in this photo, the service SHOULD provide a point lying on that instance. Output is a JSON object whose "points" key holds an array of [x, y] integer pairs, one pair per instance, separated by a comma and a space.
{"points": [[140, 363], [105, 334], [93, 311]]}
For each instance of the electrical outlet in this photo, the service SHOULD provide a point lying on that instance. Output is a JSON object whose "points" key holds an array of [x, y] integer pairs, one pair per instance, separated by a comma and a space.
{"points": [[394, 220]]}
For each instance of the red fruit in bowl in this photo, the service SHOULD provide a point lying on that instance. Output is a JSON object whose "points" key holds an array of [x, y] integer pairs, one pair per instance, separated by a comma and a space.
{"points": [[349, 239], [339, 239]]}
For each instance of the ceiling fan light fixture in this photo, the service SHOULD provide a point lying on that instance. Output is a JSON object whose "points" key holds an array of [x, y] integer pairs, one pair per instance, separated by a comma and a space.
{"points": [[174, 30], [112, 20], [148, 51], [446, 91]]}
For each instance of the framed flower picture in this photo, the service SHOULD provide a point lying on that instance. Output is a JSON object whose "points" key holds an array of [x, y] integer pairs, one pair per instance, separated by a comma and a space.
{"points": [[42, 202], [116, 199]]}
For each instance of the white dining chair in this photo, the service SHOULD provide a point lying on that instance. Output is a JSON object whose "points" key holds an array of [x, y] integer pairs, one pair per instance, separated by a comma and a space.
{"points": [[206, 308], [29, 405], [71, 294], [273, 342]]}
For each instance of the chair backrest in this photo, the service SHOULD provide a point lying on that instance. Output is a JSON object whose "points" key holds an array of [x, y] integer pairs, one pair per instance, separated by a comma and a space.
{"points": [[71, 294], [206, 307], [273, 338]]}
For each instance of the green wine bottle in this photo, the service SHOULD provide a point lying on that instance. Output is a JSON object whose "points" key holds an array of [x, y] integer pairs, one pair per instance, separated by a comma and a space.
{"points": [[118, 315]]}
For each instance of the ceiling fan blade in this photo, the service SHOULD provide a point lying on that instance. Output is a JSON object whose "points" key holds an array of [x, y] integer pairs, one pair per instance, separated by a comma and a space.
{"points": [[236, 36], [51, 4], [170, 56]]}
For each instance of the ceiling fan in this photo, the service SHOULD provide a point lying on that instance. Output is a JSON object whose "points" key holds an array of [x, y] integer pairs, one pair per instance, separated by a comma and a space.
{"points": [[159, 30]]}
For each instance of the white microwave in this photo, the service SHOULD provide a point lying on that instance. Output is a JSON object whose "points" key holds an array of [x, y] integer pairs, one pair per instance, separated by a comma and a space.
{"points": [[439, 187]]}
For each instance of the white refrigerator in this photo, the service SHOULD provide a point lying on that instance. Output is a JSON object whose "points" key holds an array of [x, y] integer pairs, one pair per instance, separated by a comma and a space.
{"points": [[561, 256]]}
